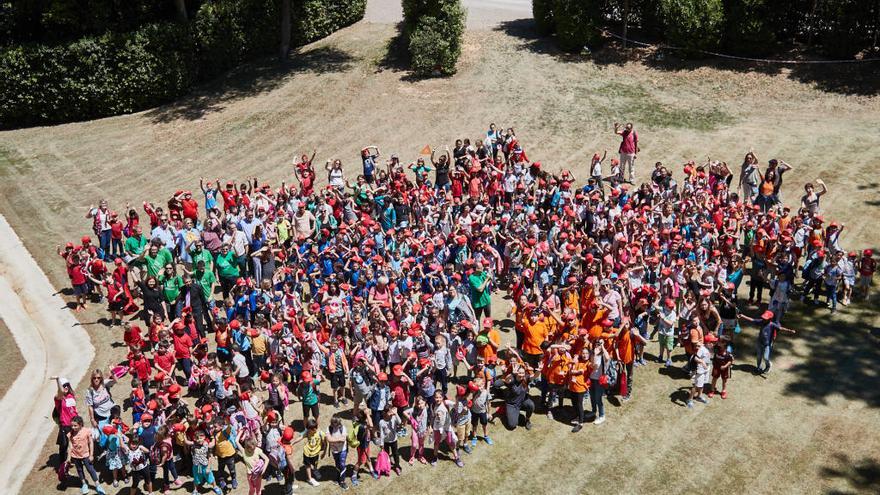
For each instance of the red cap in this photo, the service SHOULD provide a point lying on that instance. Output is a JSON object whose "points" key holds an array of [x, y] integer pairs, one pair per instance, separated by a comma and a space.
{"points": [[146, 417], [767, 315], [109, 430], [383, 377], [235, 324], [460, 390], [287, 435], [306, 376], [397, 370]]}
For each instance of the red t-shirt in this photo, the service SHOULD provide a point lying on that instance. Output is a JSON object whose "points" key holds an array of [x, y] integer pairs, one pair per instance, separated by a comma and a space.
{"points": [[139, 367], [75, 272], [164, 361], [190, 209], [628, 142], [182, 346], [116, 230]]}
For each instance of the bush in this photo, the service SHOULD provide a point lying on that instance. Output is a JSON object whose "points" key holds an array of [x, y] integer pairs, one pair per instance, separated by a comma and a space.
{"points": [[315, 19], [435, 38], [542, 11], [577, 23], [693, 24], [748, 29], [125, 72], [96, 77]]}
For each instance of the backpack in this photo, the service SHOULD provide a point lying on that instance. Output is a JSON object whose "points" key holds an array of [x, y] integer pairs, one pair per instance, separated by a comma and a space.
{"points": [[352, 438]]}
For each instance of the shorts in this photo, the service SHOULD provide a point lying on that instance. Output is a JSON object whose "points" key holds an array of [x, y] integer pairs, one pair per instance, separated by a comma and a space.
{"points": [[482, 418], [310, 461], [722, 373], [699, 379], [202, 475], [363, 454], [116, 306], [80, 289], [142, 474], [337, 380], [667, 342], [463, 431]]}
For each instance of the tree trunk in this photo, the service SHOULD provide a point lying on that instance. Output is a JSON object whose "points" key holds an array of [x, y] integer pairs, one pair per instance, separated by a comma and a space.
{"points": [[285, 30], [625, 20], [180, 5]]}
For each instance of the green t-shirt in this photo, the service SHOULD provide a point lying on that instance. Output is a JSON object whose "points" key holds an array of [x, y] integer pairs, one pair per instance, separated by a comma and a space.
{"points": [[226, 265], [205, 255], [206, 279], [157, 264], [171, 288], [134, 246], [479, 298]]}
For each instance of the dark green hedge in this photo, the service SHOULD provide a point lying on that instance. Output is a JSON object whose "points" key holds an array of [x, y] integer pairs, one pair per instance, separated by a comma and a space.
{"points": [[126, 72], [576, 23], [434, 30], [542, 11], [693, 24]]}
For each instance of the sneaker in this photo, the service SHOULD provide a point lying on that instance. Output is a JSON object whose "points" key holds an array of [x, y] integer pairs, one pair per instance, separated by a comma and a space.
{"points": [[374, 474], [702, 399], [313, 482], [711, 394], [459, 463], [434, 462], [549, 414], [724, 394], [467, 448], [217, 490], [178, 482], [343, 485], [599, 420], [488, 440], [396, 470], [474, 441], [355, 481], [84, 489], [100, 490], [336, 404], [115, 483], [690, 404], [528, 425], [668, 363], [234, 483], [576, 428], [344, 401], [626, 398]]}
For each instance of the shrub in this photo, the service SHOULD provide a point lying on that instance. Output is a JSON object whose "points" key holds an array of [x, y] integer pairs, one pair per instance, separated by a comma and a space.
{"points": [[315, 19], [96, 77], [542, 11], [576, 23], [748, 29], [693, 24], [434, 40], [125, 72]]}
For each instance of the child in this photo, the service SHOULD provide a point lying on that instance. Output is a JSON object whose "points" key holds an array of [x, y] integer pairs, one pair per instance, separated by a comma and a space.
{"points": [[461, 418], [337, 442], [441, 423], [314, 446], [701, 360], [138, 463], [866, 268], [388, 426], [255, 461], [114, 452], [479, 409], [722, 362], [307, 391], [200, 448], [417, 416], [162, 454], [361, 427], [81, 453], [279, 396]]}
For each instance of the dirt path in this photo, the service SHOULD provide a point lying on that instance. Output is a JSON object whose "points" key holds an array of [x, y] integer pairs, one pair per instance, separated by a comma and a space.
{"points": [[482, 14], [51, 342]]}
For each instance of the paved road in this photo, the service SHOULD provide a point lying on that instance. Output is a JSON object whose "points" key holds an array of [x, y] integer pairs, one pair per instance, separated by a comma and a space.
{"points": [[51, 342], [482, 14]]}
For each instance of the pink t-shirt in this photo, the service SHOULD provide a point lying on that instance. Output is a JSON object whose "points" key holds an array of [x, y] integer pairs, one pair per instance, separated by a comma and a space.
{"points": [[79, 443], [628, 142], [66, 408]]}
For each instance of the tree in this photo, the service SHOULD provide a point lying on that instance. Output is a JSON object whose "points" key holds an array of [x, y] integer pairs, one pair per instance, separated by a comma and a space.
{"points": [[285, 30], [180, 6]]}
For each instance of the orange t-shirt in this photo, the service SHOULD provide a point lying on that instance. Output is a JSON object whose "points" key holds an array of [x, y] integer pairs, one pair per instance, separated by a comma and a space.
{"points": [[487, 350], [557, 369], [578, 383], [534, 334], [625, 347]]}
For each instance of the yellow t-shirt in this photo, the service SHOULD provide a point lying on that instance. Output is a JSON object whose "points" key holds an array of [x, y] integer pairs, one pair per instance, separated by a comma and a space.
{"points": [[312, 445], [222, 446], [259, 345]]}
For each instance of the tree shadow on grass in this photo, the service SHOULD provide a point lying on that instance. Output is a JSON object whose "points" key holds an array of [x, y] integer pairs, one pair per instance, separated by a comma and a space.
{"points": [[842, 352], [858, 78], [863, 475], [252, 79]]}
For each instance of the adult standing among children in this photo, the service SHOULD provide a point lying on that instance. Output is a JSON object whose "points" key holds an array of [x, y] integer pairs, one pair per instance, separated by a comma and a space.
{"points": [[629, 148]]}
